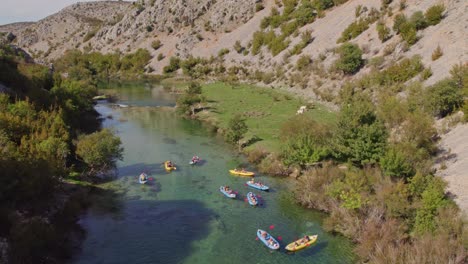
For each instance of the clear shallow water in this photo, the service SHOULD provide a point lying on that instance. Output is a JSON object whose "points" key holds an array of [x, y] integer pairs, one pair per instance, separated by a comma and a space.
{"points": [[181, 217]]}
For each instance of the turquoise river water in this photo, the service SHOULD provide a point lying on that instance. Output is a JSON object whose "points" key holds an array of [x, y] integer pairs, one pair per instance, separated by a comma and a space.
{"points": [[181, 217]]}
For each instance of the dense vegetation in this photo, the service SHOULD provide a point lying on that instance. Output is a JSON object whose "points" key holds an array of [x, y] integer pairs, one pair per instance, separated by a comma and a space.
{"points": [[94, 66], [43, 118]]}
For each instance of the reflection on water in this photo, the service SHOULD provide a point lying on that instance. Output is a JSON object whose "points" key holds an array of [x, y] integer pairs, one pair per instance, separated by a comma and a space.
{"points": [[180, 216]]}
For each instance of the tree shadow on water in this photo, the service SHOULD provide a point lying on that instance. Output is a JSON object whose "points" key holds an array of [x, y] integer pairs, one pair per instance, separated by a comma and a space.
{"points": [[137, 168], [147, 232]]}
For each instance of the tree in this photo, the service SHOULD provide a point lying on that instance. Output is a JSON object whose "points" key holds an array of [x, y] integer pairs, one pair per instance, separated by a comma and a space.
{"points": [[444, 97], [236, 130], [100, 150], [360, 137], [350, 60], [191, 100]]}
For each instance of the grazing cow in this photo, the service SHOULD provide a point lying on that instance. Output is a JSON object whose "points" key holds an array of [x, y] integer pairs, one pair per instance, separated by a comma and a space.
{"points": [[301, 110]]}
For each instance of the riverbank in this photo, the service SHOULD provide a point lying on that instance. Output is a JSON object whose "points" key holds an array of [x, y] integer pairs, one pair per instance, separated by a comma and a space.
{"points": [[365, 197]]}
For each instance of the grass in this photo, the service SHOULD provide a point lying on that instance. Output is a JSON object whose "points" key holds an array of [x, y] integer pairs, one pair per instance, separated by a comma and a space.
{"points": [[264, 110]]}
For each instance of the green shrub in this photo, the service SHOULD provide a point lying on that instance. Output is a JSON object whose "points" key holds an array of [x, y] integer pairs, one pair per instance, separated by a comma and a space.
{"points": [[383, 32], [353, 30], [174, 65], [156, 44], [418, 20], [434, 14], [303, 62], [400, 20], [259, 7], [395, 164], [223, 52], [160, 57], [360, 137], [408, 33], [350, 60], [444, 97], [100, 150], [238, 47]]}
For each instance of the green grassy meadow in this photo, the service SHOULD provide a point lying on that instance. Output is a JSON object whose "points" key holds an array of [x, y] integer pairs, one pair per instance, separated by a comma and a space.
{"points": [[265, 110]]}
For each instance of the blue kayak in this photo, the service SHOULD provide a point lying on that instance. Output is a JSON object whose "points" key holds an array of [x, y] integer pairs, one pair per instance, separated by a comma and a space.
{"points": [[267, 239], [258, 186], [252, 199], [229, 194], [144, 179]]}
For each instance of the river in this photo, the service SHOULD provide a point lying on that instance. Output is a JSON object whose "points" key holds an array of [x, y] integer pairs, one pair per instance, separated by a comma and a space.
{"points": [[181, 217]]}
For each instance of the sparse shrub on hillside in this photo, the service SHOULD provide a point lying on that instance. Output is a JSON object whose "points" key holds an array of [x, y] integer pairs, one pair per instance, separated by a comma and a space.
{"points": [[149, 28], [174, 65], [408, 33], [435, 14], [437, 53], [223, 52], [418, 20], [400, 20], [402, 5], [259, 7], [426, 74], [156, 44], [444, 97], [303, 62], [160, 57], [395, 164], [238, 47], [383, 32], [353, 30], [350, 60]]}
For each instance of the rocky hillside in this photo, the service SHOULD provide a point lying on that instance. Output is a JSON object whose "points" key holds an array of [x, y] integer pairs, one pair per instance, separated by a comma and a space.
{"points": [[204, 27]]}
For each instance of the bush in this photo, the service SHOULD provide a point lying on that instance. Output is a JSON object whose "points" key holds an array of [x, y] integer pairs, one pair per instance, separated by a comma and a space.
{"points": [[236, 130], [444, 97], [395, 164], [303, 62], [259, 7], [437, 53], [238, 47], [100, 150], [160, 57], [174, 65], [418, 20], [156, 44], [353, 30], [383, 32], [350, 60], [400, 19], [435, 14], [223, 52], [408, 33]]}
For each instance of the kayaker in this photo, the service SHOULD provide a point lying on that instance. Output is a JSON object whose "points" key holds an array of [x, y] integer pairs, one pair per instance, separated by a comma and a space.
{"points": [[169, 164], [305, 239], [264, 234], [143, 177]]}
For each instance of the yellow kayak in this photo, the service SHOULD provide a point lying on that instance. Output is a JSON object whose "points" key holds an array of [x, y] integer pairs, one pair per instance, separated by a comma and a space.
{"points": [[169, 168], [242, 172], [300, 243]]}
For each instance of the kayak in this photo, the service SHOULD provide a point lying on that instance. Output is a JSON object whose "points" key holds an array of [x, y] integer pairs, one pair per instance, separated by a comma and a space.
{"points": [[229, 194], [268, 240], [169, 168], [298, 244], [252, 199], [193, 162], [242, 173], [258, 186], [144, 179]]}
